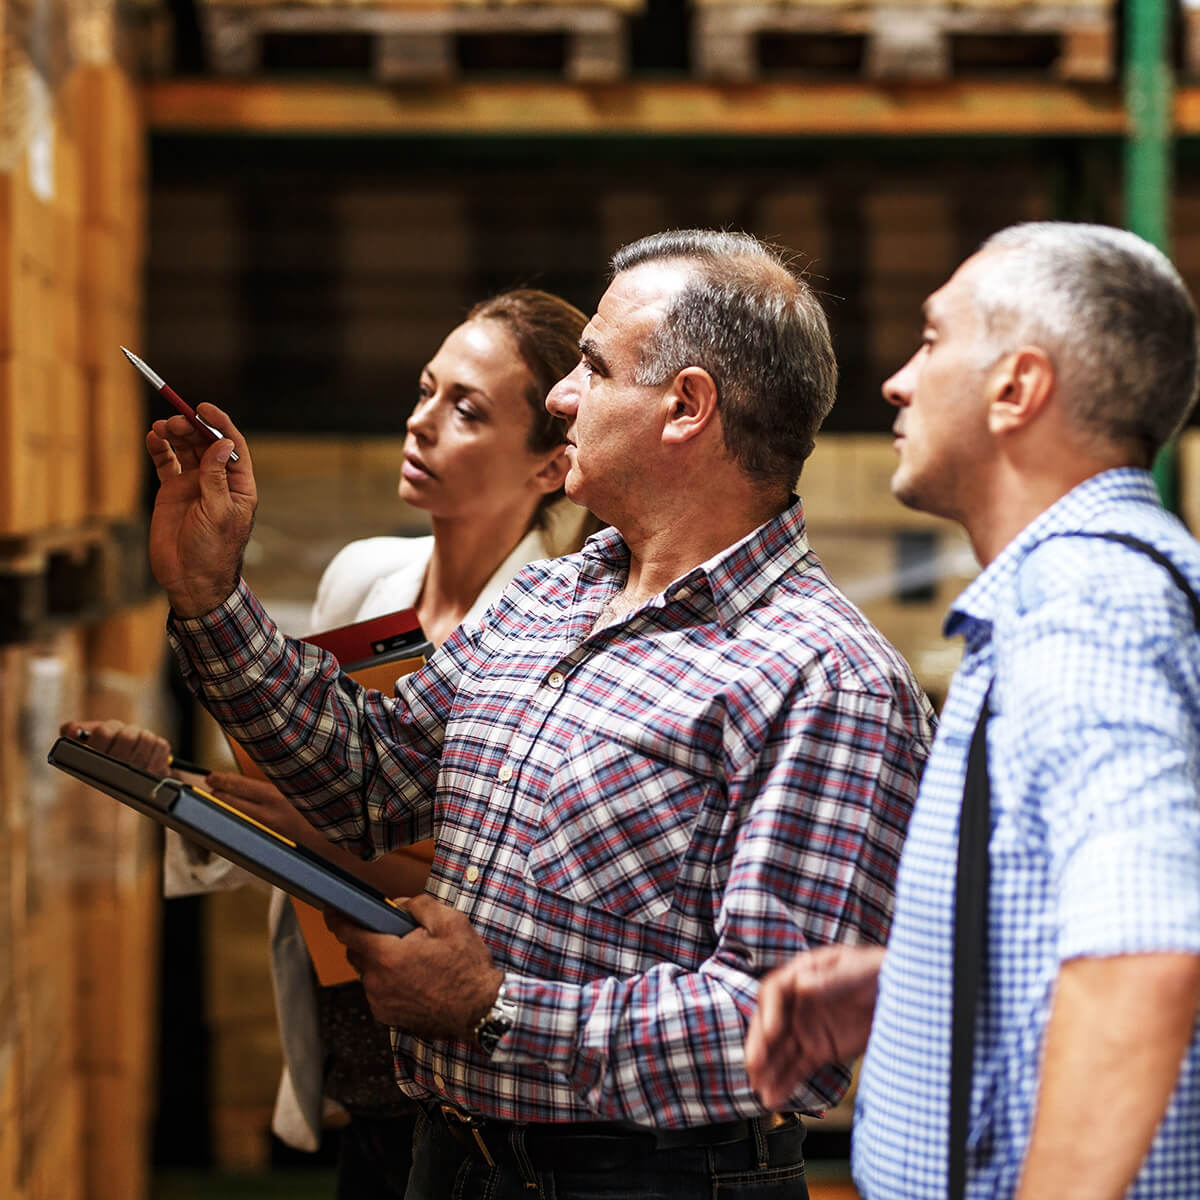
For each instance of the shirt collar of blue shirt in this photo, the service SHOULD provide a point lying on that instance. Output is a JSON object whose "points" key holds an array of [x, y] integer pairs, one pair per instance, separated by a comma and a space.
{"points": [[737, 577], [974, 612]]}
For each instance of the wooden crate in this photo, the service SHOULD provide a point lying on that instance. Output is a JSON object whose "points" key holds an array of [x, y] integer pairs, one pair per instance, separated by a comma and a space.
{"points": [[56, 577], [893, 41], [419, 42]]}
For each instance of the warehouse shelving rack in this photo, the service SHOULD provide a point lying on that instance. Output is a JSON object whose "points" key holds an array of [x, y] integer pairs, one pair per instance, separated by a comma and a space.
{"points": [[1147, 111]]}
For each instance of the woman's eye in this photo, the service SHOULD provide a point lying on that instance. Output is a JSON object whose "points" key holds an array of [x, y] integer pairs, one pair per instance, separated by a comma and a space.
{"points": [[465, 411]]}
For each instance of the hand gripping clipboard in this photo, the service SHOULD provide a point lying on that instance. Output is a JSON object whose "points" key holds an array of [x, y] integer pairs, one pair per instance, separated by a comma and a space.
{"points": [[375, 653], [226, 831]]}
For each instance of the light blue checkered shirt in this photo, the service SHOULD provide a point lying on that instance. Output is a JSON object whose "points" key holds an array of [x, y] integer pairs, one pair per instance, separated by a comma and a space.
{"points": [[1094, 758]]}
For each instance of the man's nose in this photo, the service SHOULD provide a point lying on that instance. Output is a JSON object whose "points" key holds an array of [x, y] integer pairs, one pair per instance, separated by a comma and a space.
{"points": [[898, 388], [562, 397]]}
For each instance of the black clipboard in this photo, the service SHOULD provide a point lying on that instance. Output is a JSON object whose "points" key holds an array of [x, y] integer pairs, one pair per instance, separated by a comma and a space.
{"points": [[203, 818]]}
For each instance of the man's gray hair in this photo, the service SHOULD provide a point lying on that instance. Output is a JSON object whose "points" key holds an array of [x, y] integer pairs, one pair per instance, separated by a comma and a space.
{"points": [[1113, 314], [758, 329]]}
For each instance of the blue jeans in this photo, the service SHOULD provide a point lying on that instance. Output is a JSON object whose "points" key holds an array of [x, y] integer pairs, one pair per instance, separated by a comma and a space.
{"points": [[766, 1166], [375, 1157]]}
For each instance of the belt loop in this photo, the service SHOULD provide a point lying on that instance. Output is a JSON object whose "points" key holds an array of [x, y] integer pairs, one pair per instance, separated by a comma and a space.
{"points": [[520, 1152], [760, 1142]]}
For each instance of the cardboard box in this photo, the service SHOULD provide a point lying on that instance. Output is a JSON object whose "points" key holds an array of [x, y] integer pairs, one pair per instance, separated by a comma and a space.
{"points": [[846, 485], [1188, 463], [67, 395], [117, 424], [26, 445]]}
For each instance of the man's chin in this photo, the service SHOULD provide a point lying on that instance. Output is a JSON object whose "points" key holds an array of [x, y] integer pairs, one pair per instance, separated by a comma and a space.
{"points": [[905, 491]]}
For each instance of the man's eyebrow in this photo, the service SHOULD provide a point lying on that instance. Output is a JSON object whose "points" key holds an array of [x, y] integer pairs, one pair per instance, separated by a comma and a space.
{"points": [[589, 350]]}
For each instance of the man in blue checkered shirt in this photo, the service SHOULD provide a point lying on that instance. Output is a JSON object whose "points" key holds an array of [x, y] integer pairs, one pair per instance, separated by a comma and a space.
{"points": [[654, 769], [1054, 365]]}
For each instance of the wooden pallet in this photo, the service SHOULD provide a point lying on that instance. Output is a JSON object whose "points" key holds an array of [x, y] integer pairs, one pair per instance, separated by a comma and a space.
{"points": [[421, 45], [913, 41], [63, 576]]}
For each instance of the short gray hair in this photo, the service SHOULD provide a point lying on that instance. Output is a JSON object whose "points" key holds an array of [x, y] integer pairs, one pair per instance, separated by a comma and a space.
{"points": [[748, 319], [1113, 314]]}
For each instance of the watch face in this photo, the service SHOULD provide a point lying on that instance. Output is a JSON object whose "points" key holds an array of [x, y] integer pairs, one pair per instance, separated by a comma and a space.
{"points": [[491, 1029], [495, 1024]]}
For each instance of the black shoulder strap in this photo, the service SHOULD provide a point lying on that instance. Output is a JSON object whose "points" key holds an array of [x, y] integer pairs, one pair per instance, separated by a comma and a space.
{"points": [[971, 897], [1159, 557], [970, 942]]}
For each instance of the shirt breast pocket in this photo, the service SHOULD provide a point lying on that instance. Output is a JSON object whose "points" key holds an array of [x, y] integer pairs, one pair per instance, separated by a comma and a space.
{"points": [[615, 827]]}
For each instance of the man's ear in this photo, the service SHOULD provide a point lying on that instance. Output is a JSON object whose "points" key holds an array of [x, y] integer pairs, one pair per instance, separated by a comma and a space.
{"points": [[691, 402], [550, 476], [1021, 385]]}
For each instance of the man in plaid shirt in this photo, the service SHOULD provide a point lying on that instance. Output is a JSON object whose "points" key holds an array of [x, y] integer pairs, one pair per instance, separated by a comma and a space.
{"points": [[654, 770]]}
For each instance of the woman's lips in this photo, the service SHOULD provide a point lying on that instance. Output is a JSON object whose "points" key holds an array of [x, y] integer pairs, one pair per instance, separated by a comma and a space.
{"points": [[415, 470]]}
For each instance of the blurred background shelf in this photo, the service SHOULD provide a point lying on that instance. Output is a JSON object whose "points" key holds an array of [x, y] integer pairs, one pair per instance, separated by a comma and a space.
{"points": [[817, 109]]}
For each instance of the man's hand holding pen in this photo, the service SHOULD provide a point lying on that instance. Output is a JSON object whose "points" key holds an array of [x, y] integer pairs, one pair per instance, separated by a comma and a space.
{"points": [[203, 512], [437, 981]]}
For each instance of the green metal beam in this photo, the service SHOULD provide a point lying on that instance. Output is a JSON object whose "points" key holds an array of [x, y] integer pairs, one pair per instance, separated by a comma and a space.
{"points": [[1149, 95]]}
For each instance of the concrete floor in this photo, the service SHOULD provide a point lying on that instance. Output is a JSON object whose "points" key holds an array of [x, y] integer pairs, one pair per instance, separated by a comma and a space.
{"points": [[826, 1182]]}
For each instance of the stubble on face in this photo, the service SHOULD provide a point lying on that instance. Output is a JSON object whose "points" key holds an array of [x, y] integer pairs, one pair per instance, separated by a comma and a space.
{"points": [[610, 429], [942, 423]]}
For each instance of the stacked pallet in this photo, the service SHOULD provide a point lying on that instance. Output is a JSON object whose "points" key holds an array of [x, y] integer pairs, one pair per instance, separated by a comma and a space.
{"points": [[903, 39], [76, 901], [412, 41]]}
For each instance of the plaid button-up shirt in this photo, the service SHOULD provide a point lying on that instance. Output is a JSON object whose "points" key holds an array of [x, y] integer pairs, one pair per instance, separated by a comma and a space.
{"points": [[639, 820]]}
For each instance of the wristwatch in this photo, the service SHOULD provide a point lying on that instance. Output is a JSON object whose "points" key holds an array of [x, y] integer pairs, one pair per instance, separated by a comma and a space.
{"points": [[495, 1023]]}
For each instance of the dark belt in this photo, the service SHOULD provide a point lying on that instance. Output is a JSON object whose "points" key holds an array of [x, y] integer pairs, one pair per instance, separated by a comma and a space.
{"points": [[591, 1146]]}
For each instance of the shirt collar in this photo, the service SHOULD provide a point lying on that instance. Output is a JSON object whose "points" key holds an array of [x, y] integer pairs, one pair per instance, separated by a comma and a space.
{"points": [[1082, 506], [737, 576]]}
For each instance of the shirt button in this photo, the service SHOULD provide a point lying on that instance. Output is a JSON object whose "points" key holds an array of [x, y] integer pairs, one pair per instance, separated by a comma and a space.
{"points": [[505, 773], [472, 874], [556, 679], [439, 1083]]}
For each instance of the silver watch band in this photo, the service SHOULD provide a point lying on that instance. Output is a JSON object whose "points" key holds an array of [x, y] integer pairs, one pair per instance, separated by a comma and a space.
{"points": [[496, 1022]]}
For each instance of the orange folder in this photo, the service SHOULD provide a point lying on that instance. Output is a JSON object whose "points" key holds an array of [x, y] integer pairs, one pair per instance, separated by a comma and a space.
{"points": [[327, 953]]}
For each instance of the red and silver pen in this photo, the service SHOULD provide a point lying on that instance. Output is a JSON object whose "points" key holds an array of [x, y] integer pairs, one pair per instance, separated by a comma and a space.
{"points": [[176, 400]]}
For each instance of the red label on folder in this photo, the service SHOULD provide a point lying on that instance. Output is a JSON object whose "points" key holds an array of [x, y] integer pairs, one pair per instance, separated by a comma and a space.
{"points": [[394, 635]]}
